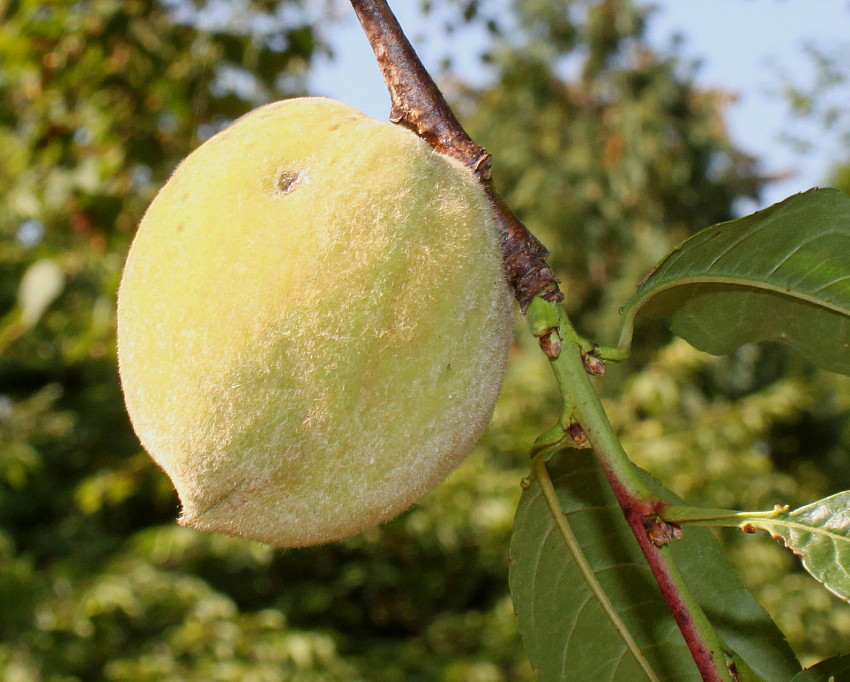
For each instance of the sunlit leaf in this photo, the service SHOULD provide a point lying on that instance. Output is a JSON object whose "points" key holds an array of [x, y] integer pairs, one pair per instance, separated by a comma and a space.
{"points": [[819, 534], [569, 634], [782, 274]]}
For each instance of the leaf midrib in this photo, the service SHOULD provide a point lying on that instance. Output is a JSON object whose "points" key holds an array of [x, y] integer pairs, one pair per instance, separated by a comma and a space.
{"points": [[631, 311], [832, 535], [559, 516]]}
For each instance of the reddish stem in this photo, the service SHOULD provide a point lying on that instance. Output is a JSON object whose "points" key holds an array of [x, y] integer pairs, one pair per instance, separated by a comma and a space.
{"points": [[636, 512]]}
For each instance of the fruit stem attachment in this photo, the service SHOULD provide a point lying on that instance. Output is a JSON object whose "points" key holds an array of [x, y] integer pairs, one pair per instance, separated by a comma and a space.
{"points": [[418, 104]]}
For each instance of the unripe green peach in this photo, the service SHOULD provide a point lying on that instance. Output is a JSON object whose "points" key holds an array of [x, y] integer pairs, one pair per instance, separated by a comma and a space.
{"points": [[313, 323]]}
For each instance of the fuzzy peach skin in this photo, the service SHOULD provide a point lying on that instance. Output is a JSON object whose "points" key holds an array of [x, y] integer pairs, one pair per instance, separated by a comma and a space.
{"points": [[313, 324]]}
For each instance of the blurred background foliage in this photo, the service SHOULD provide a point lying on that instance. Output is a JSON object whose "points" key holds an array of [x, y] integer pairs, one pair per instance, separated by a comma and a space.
{"points": [[607, 150]]}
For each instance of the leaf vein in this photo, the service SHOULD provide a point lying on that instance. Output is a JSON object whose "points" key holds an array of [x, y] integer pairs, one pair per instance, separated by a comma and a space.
{"points": [[573, 629], [746, 235], [548, 489], [829, 284]]}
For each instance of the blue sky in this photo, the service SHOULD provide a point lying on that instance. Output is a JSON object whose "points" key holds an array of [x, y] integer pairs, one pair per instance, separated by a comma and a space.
{"points": [[742, 44]]}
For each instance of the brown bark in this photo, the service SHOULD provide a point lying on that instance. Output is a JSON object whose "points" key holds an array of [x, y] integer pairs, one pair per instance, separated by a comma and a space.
{"points": [[419, 105]]}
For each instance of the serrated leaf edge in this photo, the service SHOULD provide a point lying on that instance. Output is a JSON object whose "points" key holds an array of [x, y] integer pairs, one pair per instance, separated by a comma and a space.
{"points": [[771, 527]]}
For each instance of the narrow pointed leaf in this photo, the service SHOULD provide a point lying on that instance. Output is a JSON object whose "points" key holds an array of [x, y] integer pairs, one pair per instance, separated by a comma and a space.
{"points": [[570, 634], [819, 534], [782, 275], [831, 670]]}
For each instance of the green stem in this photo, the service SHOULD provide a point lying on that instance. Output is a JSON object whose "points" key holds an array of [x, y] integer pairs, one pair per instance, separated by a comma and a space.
{"points": [[549, 322], [729, 518], [613, 354], [580, 398]]}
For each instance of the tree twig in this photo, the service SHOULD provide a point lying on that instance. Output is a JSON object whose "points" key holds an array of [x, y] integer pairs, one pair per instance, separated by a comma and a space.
{"points": [[419, 105]]}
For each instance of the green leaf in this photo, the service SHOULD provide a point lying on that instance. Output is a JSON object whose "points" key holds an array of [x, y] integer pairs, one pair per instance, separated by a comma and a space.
{"points": [[570, 632], [819, 534], [831, 670], [782, 274]]}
